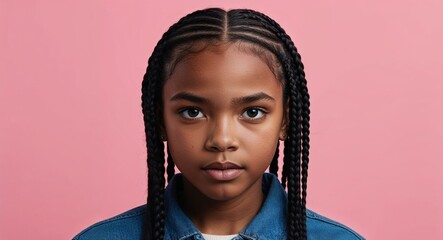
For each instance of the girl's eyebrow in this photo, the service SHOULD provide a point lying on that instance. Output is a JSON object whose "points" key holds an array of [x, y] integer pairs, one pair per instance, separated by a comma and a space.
{"points": [[252, 98], [241, 100], [189, 97]]}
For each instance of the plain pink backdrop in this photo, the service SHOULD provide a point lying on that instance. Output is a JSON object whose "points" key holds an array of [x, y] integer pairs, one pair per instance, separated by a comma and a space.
{"points": [[72, 144]]}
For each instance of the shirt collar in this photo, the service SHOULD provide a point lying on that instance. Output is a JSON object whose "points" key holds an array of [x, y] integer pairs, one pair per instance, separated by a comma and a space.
{"points": [[269, 223]]}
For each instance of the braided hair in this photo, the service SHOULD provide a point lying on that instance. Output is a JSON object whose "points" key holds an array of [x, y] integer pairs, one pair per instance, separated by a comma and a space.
{"points": [[263, 36]]}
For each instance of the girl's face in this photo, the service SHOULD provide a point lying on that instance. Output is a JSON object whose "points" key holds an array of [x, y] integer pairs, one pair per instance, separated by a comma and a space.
{"points": [[223, 116]]}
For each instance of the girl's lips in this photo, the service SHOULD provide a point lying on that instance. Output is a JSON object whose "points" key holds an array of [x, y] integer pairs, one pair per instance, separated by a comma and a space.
{"points": [[221, 166], [223, 175], [223, 171]]}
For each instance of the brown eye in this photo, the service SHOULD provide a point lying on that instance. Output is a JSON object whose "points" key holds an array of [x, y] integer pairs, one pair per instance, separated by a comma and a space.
{"points": [[253, 113], [192, 113]]}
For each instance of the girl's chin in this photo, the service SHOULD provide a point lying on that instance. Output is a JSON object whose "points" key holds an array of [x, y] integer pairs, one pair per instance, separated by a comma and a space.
{"points": [[223, 193]]}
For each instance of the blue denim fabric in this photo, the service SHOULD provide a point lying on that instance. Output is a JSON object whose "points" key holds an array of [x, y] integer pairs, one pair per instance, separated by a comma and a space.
{"points": [[268, 224]]}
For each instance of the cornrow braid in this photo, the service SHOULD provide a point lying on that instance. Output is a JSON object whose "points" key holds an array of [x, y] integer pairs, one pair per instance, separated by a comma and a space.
{"points": [[262, 36]]}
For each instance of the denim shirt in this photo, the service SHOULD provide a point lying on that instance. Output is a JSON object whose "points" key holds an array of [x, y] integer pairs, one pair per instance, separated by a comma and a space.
{"points": [[269, 223]]}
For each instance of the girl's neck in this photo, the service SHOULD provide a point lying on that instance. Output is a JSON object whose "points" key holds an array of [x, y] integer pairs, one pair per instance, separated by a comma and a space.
{"points": [[221, 217]]}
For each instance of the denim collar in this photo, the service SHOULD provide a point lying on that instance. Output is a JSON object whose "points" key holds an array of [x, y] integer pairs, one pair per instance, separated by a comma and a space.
{"points": [[269, 223]]}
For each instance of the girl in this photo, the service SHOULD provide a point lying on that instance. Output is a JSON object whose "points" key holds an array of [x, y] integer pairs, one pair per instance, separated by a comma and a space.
{"points": [[222, 88]]}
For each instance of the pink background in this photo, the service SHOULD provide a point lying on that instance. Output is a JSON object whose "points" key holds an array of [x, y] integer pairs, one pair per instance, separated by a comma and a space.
{"points": [[72, 144]]}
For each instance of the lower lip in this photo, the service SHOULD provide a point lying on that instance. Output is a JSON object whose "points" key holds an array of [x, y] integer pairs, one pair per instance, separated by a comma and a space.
{"points": [[223, 175]]}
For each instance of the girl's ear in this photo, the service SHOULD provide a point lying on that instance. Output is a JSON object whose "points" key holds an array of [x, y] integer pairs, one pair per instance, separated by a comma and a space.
{"points": [[284, 124]]}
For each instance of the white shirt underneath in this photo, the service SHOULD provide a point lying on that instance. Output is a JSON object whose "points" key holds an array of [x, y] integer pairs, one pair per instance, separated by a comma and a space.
{"points": [[218, 237]]}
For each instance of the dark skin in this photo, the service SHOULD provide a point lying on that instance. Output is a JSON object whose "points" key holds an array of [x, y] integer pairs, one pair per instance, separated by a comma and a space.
{"points": [[222, 106], [221, 217]]}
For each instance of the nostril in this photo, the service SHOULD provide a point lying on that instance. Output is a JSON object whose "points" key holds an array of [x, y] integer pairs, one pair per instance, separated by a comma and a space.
{"points": [[215, 149], [232, 148], [220, 148]]}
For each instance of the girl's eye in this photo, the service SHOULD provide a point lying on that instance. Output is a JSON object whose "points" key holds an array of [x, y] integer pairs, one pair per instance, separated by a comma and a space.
{"points": [[253, 113], [191, 113]]}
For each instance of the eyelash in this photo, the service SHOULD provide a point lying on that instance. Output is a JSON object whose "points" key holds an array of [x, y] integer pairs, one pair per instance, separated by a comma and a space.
{"points": [[184, 112], [260, 110]]}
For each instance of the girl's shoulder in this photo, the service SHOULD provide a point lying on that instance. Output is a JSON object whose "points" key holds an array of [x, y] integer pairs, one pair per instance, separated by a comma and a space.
{"points": [[321, 227], [127, 225]]}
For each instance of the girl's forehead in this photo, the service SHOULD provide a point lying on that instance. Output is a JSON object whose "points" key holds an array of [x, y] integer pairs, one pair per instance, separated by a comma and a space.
{"points": [[219, 63], [203, 53], [222, 71]]}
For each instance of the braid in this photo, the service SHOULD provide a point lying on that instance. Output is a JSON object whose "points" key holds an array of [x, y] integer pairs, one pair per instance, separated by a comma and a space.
{"points": [[284, 172], [171, 166], [305, 118], [155, 150], [295, 227], [301, 86], [273, 168], [267, 40]]}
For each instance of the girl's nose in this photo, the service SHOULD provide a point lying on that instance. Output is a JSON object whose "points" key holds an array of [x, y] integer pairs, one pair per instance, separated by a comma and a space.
{"points": [[221, 136]]}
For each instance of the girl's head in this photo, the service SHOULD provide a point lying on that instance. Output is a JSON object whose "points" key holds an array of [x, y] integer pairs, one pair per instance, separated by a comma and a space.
{"points": [[223, 106], [226, 86]]}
